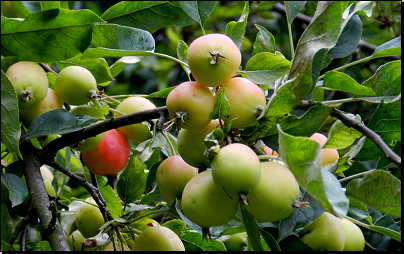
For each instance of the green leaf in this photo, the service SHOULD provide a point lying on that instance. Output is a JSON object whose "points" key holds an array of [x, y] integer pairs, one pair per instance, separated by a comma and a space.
{"points": [[10, 124], [6, 223], [177, 226], [43, 246], [322, 33], [182, 50], [236, 30], [119, 65], [132, 182], [58, 121], [113, 204], [265, 68], [47, 5], [252, 229], [43, 36], [386, 82], [345, 162], [382, 230], [378, 189], [199, 11], [264, 41], [14, 9], [386, 122], [98, 67], [303, 158], [340, 136], [383, 162], [16, 187], [147, 15], [193, 242], [294, 7], [390, 48], [161, 94], [270, 240], [359, 211], [221, 108], [338, 81]]}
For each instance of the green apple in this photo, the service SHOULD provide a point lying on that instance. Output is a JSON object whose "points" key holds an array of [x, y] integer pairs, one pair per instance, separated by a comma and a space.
{"points": [[158, 238], [89, 219], [354, 239], [47, 177], [237, 242]]}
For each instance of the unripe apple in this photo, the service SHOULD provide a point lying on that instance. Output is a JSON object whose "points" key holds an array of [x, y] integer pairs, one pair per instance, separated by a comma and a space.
{"points": [[354, 239], [89, 219], [192, 100], [75, 85], [47, 177], [50, 102], [237, 169], [237, 242], [30, 83], [191, 144], [246, 100], [213, 59], [206, 204], [136, 132], [328, 155], [158, 238], [324, 234], [274, 196], [78, 240], [173, 174]]}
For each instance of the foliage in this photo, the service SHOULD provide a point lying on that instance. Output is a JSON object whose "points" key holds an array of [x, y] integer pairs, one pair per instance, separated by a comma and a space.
{"points": [[309, 71]]}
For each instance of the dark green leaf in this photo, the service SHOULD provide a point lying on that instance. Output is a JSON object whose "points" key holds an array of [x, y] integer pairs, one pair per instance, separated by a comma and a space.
{"points": [[294, 243], [161, 94], [236, 30], [43, 36], [199, 11], [147, 15], [221, 108], [16, 187], [252, 229], [193, 241], [294, 7], [264, 41], [359, 211], [303, 158], [132, 182], [378, 189], [10, 124], [58, 121], [6, 223], [113, 204], [178, 226], [334, 80], [265, 68], [270, 240]]}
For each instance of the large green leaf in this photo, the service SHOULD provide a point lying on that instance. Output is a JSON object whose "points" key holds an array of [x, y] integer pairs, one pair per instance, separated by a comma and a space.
{"points": [[147, 15], [390, 48], [17, 188], [236, 30], [113, 204], [48, 36], [294, 7], [10, 125], [132, 182], [264, 41], [334, 80], [386, 122], [193, 242], [378, 189], [198, 10], [303, 157], [265, 68], [322, 33]]}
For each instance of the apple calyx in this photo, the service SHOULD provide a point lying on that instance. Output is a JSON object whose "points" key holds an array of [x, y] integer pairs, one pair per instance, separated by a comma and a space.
{"points": [[27, 95], [216, 57]]}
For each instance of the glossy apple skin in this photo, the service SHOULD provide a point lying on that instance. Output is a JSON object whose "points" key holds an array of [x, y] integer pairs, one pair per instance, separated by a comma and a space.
{"points": [[199, 59], [206, 204], [245, 99], [158, 238], [89, 219], [91, 143], [73, 85], [173, 174], [110, 156], [28, 77], [354, 239], [328, 155], [237, 169], [324, 234], [136, 132], [273, 198], [50, 102], [191, 144], [194, 99]]}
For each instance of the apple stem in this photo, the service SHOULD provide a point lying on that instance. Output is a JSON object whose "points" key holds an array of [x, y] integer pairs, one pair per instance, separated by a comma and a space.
{"points": [[216, 56], [244, 198]]}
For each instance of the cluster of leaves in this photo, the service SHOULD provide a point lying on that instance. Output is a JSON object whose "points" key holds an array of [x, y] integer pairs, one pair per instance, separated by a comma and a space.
{"points": [[110, 42]]}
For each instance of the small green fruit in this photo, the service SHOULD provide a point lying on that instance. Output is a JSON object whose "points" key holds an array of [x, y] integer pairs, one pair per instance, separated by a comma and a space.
{"points": [[158, 238], [89, 219]]}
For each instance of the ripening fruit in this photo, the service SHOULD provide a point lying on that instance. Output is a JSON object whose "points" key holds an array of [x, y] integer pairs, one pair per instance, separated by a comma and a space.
{"points": [[30, 83], [75, 85], [246, 100], [273, 198], [91, 143], [89, 219], [193, 99], [110, 156], [354, 239], [158, 238], [173, 174], [191, 144], [237, 169], [50, 102], [206, 204], [78, 240], [324, 234], [137, 132], [327, 155], [47, 178], [213, 59]]}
